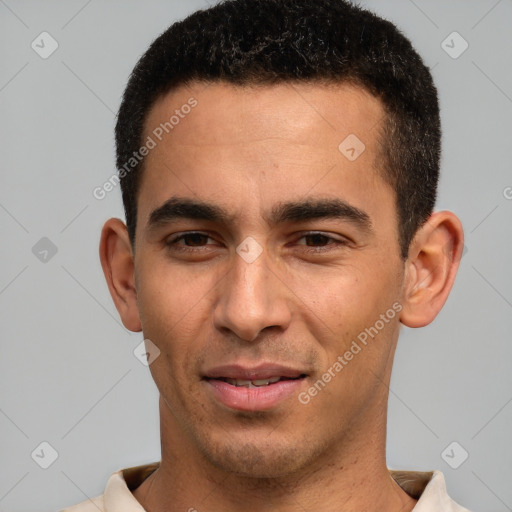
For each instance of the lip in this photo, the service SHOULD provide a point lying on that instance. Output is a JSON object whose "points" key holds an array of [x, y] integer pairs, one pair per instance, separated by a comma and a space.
{"points": [[261, 371], [260, 398]]}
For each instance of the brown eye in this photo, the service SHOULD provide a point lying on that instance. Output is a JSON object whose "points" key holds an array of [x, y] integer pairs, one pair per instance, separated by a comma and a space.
{"points": [[321, 242], [191, 240], [317, 239], [195, 239]]}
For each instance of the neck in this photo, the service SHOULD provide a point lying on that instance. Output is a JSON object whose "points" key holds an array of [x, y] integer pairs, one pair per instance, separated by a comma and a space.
{"points": [[340, 479]]}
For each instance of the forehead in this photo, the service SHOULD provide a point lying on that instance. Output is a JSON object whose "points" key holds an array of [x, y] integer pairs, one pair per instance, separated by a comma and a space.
{"points": [[233, 144], [302, 112]]}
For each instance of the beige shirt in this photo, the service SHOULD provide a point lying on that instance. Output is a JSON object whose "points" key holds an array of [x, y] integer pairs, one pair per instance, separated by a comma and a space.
{"points": [[427, 487]]}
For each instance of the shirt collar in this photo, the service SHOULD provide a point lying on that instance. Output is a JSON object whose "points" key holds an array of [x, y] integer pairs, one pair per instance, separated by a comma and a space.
{"points": [[429, 488]]}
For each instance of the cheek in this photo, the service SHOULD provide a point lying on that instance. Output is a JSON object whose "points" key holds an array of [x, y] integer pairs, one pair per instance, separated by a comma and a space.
{"points": [[173, 314], [340, 297], [351, 305], [173, 311], [165, 295]]}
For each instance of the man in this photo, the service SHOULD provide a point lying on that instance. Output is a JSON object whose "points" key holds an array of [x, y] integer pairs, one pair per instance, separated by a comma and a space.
{"points": [[279, 162]]}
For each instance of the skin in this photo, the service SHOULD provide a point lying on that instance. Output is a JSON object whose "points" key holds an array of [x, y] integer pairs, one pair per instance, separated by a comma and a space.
{"points": [[247, 149]]}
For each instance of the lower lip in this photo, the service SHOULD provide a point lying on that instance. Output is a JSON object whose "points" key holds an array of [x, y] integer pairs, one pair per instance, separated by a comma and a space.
{"points": [[254, 399]]}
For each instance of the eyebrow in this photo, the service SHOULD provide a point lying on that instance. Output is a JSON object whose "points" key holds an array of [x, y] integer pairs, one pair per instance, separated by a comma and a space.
{"points": [[295, 211], [312, 209]]}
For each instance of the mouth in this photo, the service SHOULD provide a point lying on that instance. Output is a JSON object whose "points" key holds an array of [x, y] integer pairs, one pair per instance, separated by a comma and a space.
{"points": [[257, 383], [253, 388]]}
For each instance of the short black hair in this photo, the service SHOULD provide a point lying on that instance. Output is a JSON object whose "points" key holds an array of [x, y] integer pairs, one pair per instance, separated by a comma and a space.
{"points": [[250, 42]]}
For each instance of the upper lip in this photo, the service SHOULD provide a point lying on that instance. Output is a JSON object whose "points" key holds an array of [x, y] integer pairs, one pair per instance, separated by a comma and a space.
{"points": [[261, 371]]}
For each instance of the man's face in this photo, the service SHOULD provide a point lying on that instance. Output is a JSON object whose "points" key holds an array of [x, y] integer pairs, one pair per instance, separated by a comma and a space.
{"points": [[271, 289]]}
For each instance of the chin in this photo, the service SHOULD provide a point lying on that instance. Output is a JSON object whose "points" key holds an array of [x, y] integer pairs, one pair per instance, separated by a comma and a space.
{"points": [[261, 458]]}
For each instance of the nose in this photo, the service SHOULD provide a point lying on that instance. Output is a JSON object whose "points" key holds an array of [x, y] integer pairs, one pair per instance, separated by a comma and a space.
{"points": [[252, 297]]}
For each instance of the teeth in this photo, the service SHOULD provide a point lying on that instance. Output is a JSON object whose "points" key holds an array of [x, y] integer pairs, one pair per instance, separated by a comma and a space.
{"points": [[261, 382], [252, 383], [240, 383]]}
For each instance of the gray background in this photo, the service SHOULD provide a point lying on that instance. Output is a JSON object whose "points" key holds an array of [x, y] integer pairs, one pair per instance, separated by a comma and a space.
{"points": [[67, 369]]}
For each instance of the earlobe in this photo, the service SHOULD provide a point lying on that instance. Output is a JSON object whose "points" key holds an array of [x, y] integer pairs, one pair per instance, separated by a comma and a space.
{"points": [[118, 267], [431, 267]]}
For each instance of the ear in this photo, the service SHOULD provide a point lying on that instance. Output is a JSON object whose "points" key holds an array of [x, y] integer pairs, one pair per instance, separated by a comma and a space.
{"points": [[117, 263], [434, 257]]}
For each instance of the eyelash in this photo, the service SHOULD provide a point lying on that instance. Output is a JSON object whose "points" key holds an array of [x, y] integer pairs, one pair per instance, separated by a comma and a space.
{"points": [[173, 243]]}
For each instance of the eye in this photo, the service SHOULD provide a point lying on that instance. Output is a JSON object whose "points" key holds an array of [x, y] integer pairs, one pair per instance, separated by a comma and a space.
{"points": [[197, 242], [317, 242], [194, 241]]}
